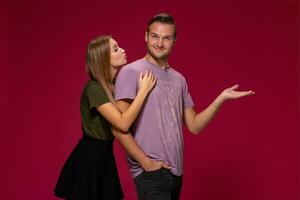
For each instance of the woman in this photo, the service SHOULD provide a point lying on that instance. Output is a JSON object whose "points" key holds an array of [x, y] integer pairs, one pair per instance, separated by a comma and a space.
{"points": [[90, 172]]}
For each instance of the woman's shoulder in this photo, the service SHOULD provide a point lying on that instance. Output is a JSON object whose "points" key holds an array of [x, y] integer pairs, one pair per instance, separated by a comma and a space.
{"points": [[93, 85]]}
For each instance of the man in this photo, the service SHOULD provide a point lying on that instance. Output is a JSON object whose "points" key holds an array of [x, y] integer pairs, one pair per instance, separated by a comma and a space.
{"points": [[156, 151]]}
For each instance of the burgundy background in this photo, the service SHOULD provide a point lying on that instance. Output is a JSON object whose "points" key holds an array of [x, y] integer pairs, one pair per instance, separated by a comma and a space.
{"points": [[249, 152]]}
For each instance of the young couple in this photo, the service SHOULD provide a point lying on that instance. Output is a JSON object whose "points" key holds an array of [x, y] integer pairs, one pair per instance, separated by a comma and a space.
{"points": [[149, 95]]}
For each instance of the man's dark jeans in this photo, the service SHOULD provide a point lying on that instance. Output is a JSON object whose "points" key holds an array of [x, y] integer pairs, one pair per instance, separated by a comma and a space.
{"points": [[158, 185]]}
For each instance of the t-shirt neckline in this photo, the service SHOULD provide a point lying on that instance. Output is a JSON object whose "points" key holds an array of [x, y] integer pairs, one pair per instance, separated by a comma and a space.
{"points": [[156, 66]]}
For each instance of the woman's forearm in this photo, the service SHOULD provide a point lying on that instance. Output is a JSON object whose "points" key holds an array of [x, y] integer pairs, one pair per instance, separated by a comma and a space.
{"points": [[129, 115], [131, 147]]}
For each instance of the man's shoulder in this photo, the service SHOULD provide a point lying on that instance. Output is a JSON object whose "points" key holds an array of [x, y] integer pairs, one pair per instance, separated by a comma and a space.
{"points": [[177, 74], [133, 66], [129, 73]]}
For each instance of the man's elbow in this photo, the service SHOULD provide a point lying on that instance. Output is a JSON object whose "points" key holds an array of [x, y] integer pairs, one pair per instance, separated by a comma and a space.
{"points": [[195, 131]]}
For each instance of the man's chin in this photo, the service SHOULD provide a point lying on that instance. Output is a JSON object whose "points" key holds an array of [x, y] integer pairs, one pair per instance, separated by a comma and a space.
{"points": [[159, 56]]}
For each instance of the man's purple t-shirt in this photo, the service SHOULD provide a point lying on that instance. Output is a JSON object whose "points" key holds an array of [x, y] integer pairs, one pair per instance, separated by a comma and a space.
{"points": [[158, 128]]}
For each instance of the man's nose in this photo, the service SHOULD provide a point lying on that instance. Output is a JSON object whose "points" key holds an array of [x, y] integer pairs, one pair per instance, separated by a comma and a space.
{"points": [[160, 43]]}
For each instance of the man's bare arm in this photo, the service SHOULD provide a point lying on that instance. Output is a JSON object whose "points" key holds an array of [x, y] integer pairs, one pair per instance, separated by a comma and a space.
{"points": [[196, 122]]}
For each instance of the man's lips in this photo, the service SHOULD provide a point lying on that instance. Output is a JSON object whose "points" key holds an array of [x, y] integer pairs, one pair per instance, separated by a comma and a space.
{"points": [[158, 49]]}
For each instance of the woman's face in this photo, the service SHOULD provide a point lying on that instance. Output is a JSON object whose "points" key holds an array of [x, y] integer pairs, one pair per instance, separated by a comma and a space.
{"points": [[117, 54]]}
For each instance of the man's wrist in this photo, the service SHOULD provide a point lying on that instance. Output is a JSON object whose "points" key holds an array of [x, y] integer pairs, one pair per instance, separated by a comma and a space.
{"points": [[219, 101]]}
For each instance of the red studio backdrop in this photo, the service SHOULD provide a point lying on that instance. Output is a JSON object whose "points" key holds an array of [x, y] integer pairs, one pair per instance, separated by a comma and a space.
{"points": [[249, 152]]}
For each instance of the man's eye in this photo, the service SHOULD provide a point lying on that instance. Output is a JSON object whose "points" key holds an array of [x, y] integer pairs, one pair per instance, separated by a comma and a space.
{"points": [[116, 49]]}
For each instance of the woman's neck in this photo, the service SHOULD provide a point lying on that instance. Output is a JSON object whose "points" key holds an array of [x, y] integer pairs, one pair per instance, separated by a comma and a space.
{"points": [[113, 72]]}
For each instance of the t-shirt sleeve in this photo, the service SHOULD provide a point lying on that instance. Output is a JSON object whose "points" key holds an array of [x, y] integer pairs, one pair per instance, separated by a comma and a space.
{"points": [[96, 95], [126, 84], [187, 99]]}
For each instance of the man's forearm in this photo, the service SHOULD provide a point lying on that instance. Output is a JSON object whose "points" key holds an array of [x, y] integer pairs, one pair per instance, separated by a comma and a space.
{"points": [[202, 119]]}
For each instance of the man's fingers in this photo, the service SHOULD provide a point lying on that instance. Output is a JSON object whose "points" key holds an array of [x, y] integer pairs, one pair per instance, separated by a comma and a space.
{"points": [[249, 93], [244, 93], [164, 165], [236, 86]]}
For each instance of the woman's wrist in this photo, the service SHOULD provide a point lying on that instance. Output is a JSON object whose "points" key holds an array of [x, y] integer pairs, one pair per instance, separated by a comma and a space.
{"points": [[142, 93], [145, 163]]}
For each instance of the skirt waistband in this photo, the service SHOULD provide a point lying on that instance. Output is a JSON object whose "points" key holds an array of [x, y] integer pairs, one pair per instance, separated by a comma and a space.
{"points": [[93, 141]]}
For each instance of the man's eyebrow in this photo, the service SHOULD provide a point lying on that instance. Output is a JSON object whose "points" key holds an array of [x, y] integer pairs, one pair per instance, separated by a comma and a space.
{"points": [[152, 33]]}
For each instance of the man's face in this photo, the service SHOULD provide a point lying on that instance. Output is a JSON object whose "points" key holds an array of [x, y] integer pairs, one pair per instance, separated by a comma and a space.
{"points": [[160, 40]]}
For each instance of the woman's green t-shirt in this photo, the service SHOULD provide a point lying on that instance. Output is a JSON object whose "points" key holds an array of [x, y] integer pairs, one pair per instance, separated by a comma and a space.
{"points": [[93, 123]]}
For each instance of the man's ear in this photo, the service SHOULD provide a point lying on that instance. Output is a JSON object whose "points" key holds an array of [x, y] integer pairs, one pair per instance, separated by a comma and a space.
{"points": [[146, 36]]}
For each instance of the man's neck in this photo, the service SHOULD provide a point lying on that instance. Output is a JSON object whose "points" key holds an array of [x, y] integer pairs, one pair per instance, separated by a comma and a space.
{"points": [[162, 63]]}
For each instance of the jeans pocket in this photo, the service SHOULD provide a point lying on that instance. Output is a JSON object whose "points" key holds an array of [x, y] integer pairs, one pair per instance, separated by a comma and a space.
{"points": [[156, 174], [153, 171]]}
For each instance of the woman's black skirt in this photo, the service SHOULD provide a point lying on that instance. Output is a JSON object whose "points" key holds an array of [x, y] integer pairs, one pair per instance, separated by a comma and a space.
{"points": [[90, 173]]}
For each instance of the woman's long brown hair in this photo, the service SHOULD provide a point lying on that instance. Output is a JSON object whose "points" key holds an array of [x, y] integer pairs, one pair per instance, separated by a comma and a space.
{"points": [[98, 63]]}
